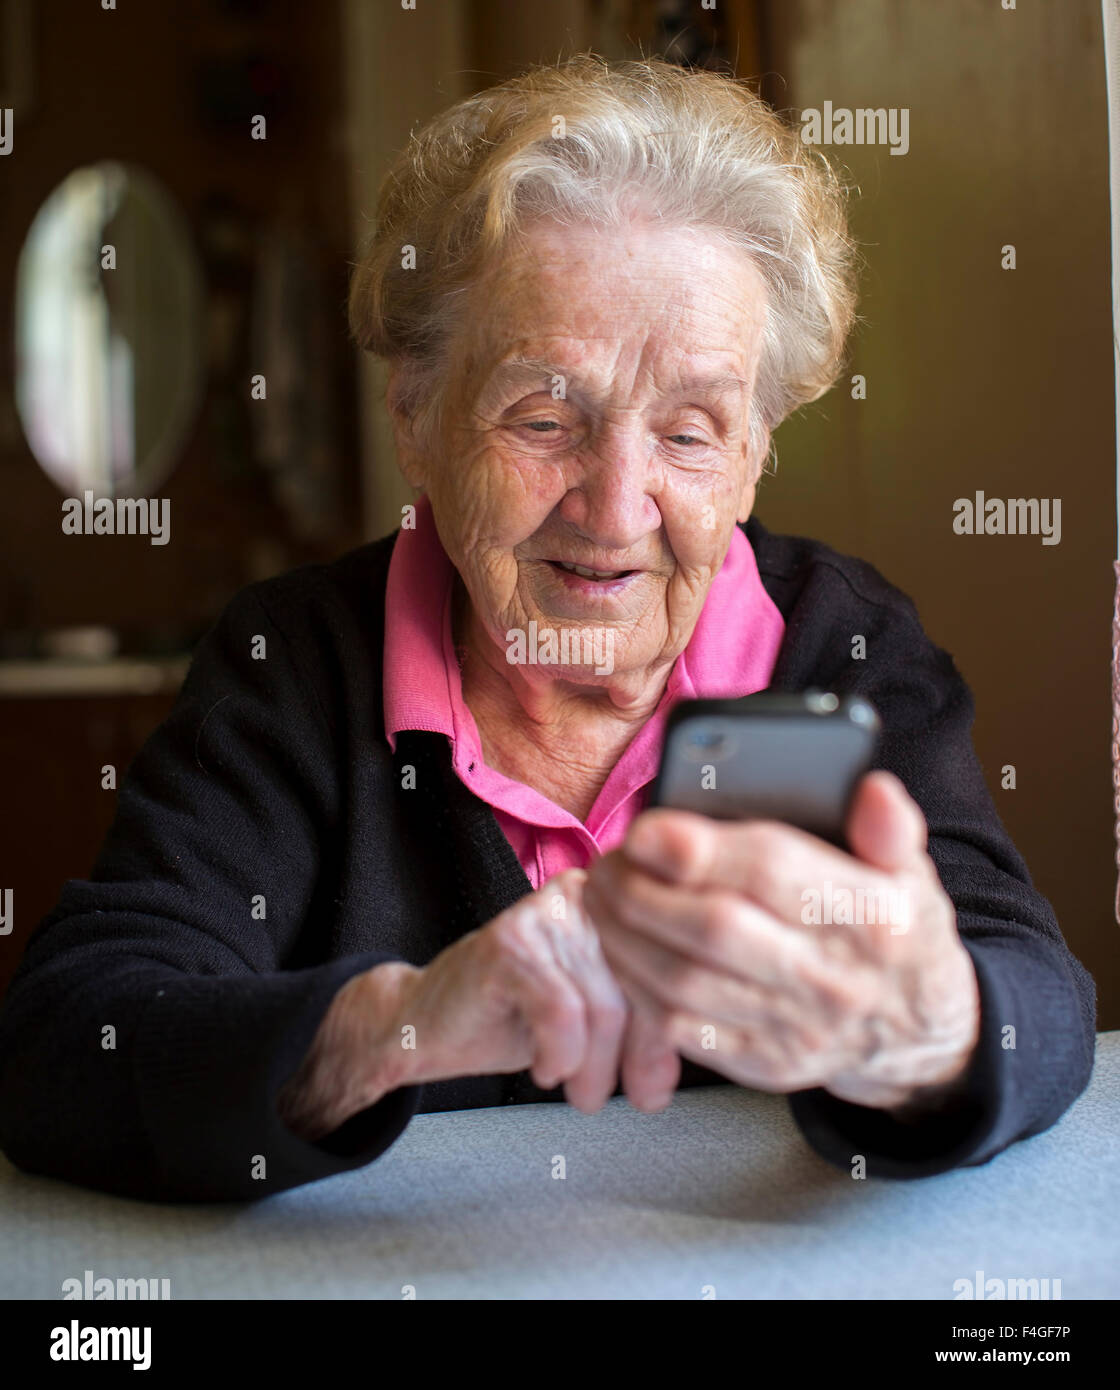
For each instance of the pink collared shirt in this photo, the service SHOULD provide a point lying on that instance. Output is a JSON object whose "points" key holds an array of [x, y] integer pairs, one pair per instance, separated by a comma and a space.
{"points": [[732, 652]]}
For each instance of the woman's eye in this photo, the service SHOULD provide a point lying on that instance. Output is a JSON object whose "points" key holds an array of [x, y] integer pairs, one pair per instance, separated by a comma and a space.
{"points": [[542, 426], [686, 439]]}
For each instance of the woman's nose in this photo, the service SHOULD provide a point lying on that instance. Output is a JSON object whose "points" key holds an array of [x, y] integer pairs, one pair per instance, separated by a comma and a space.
{"points": [[611, 499]]}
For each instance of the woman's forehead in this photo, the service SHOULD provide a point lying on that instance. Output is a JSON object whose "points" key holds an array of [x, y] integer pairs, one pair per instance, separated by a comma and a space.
{"points": [[689, 373], [566, 312], [545, 251]]}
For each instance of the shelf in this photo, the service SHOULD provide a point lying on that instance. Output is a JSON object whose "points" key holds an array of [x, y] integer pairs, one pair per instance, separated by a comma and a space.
{"points": [[118, 676]]}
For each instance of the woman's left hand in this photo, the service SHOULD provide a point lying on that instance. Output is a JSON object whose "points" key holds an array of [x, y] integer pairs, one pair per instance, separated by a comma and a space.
{"points": [[723, 936]]}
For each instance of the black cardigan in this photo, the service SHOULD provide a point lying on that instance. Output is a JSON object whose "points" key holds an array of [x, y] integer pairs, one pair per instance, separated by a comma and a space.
{"points": [[272, 780]]}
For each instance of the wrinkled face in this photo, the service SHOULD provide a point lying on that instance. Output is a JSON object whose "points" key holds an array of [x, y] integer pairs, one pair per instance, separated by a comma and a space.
{"points": [[594, 453]]}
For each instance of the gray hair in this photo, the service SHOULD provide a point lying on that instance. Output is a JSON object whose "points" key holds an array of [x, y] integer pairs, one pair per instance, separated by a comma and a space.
{"points": [[587, 141]]}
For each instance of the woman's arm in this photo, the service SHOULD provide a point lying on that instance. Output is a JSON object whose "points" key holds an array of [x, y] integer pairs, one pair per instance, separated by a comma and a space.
{"points": [[152, 1024], [1034, 1052], [356, 1057]]}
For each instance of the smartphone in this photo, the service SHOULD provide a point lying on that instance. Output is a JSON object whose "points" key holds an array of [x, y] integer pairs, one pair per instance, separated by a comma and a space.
{"points": [[793, 758]]}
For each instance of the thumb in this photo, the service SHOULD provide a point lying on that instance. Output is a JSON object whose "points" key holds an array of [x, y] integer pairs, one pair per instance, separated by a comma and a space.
{"points": [[885, 825]]}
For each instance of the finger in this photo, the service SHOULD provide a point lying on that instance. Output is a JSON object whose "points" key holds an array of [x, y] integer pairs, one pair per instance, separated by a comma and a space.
{"points": [[693, 850], [784, 871], [723, 931], [786, 1030], [779, 1058], [544, 995], [761, 859], [886, 826], [774, 1054], [680, 984], [651, 1068], [554, 1014], [576, 949], [622, 1043], [606, 1017]]}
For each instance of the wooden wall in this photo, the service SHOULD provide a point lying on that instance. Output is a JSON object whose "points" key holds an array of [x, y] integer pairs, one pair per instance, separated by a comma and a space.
{"points": [[982, 378]]}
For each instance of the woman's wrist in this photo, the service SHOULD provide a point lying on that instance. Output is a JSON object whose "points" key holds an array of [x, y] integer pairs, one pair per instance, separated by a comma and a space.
{"points": [[944, 1089], [356, 1057]]}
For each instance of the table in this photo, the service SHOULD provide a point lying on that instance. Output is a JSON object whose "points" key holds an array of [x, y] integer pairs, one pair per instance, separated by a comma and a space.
{"points": [[718, 1192]]}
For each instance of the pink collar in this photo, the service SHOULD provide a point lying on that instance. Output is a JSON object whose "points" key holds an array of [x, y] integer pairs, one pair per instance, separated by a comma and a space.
{"points": [[731, 652]]}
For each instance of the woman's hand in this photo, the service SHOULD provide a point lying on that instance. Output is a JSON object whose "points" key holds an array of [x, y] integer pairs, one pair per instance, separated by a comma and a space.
{"points": [[709, 929], [528, 990]]}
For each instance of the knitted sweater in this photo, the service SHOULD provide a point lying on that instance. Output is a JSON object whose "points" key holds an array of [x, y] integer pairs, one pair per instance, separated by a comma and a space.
{"points": [[264, 851]]}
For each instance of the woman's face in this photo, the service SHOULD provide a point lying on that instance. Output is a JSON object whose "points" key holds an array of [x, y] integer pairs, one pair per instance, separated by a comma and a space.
{"points": [[597, 416]]}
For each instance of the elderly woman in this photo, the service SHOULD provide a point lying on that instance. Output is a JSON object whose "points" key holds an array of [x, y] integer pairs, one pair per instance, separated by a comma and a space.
{"points": [[378, 860]]}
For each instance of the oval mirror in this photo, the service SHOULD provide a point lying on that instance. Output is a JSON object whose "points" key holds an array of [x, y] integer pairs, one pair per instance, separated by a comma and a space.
{"points": [[108, 332]]}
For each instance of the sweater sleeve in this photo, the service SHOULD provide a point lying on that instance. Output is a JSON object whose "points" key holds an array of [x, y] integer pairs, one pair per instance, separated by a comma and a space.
{"points": [[1038, 1003], [162, 1005]]}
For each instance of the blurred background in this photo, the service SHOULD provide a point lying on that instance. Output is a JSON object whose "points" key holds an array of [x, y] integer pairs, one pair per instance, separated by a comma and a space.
{"points": [[134, 128]]}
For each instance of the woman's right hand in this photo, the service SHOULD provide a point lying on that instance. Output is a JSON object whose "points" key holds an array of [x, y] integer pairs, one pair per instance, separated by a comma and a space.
{"points": [[531, 989]]}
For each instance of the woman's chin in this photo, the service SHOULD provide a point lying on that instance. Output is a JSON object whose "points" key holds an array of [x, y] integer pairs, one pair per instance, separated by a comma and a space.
{"points": [[546, 650]]}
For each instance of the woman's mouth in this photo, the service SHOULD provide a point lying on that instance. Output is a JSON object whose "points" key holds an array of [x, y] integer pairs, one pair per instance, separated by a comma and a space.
{"points": [[599, 576], [577, 590]]}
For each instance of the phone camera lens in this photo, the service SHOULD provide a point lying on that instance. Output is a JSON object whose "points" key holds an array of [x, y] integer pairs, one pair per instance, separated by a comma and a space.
{"points": [[707, 739]]}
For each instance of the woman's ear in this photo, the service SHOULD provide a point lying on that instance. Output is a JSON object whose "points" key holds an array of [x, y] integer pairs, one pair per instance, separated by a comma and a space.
{"points": [[411, 457]]}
